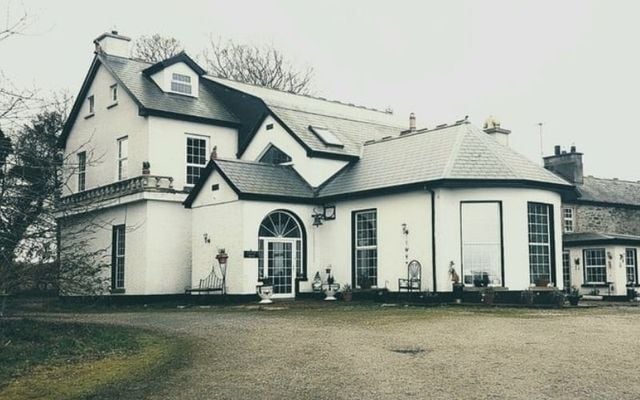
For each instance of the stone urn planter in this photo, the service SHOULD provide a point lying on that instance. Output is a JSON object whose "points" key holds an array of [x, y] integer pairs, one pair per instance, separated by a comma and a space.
{"points": [[265, 291], [330, 290]]}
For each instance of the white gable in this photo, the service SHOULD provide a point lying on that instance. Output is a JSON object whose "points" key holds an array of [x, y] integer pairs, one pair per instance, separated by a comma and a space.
{"points": [[314, 170], [177, 74]]}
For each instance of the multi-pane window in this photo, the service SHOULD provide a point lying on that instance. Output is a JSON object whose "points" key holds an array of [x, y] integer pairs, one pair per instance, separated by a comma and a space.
{"points": [[91, 101], [539, 220], [595, 269], [481, 244], [82, 170], [566, 270], [567, 214], [366, 248], [114, 93], [632, 266], [117, 257], [123, 157], [196, 158], [181, 83], [274, 155]]}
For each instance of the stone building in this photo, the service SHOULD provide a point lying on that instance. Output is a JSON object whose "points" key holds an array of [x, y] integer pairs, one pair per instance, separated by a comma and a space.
{"points": [[601, 229]]}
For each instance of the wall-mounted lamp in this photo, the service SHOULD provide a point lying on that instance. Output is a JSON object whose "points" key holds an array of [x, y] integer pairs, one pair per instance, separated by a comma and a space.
{"points": [[326, 213]]}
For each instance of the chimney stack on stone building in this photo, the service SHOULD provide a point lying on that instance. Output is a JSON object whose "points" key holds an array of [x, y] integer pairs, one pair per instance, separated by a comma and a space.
{"points": [[567, 165]]}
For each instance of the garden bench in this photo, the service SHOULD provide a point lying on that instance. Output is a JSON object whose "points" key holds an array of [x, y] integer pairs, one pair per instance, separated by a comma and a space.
{"points": [[212, 283], [412, 282]]}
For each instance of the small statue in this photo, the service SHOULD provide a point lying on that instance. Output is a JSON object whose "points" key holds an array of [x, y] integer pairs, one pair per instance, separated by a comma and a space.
{"points": [[455, 278]]}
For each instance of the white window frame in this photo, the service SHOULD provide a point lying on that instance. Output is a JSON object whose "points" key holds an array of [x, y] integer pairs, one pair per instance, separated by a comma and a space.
{"points": [[357, 248], [122, 160], [588, 267], [82, 171], [536, 258], [568, 219], [118, 257], [186, 155], [179, 82], [631, 264]]}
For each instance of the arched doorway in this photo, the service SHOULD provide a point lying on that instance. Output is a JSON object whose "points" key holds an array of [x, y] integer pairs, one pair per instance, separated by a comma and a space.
{"points": [[281, 255]]}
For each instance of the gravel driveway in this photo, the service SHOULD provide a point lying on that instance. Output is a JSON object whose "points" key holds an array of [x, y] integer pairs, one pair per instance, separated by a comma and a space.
{"points": [[359, 352]]}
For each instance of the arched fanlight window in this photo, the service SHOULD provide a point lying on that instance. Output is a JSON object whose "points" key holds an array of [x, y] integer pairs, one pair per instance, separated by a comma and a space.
{"points": [[285, 226], [279, 224]]}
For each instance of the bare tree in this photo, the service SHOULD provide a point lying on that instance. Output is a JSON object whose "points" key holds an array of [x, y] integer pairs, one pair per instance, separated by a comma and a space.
{"points": [[257, 65], [156, 48]]}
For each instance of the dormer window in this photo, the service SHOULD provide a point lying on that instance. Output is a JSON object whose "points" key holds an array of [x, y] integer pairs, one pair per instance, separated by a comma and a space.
{"points": [[181, 83], [273, 155]]}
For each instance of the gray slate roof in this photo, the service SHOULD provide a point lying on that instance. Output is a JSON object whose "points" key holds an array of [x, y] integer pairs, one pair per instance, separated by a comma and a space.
{"points": [[264, 179], [595, 237], [353, 125], [610, 191], [150, 96], [459, 151]]}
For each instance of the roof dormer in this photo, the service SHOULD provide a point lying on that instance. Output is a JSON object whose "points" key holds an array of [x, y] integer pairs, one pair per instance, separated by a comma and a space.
{"points": [[178, 74]]}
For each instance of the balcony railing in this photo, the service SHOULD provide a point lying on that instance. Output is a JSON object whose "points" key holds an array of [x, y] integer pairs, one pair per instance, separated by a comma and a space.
{"points": [[142, 183]]}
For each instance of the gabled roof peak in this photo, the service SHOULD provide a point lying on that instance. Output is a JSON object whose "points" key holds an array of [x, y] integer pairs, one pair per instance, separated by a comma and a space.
{"points": [[180, 57]]}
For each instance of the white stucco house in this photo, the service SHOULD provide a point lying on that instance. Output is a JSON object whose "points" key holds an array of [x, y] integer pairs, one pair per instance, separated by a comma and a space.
{"points": [[179, 164]]}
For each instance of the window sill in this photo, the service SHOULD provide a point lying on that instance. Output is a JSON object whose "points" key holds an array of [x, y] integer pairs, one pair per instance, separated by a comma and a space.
{"points": [[302, 279], [89, 116], [594, 285], [112, 105], [117, 291]]}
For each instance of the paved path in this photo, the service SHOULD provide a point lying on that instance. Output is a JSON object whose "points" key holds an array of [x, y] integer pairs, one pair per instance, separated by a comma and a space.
{"points": [[375, 352]]}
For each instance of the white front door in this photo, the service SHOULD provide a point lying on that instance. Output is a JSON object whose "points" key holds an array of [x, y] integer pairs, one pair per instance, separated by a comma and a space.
{"points": [[280, 261]]}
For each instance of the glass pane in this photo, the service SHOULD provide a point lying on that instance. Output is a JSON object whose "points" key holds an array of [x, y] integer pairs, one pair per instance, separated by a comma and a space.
{"points": [[280, 266], [481, 244]]}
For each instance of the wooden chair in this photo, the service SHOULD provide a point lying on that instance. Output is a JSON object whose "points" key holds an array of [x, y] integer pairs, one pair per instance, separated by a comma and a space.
{"points": [[414, 274]]}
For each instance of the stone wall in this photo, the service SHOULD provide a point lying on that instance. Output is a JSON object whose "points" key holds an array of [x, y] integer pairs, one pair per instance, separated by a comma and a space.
{"points": [[591, 218]]}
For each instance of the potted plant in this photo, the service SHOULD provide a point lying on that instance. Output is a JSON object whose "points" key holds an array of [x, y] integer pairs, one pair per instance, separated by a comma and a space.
{"points": [[347, 292], [488, 295], [574, 296], [222, 256]]}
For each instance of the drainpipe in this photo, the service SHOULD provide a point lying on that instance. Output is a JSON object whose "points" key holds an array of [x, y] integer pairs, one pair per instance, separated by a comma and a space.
{"points": [[433, 236]]}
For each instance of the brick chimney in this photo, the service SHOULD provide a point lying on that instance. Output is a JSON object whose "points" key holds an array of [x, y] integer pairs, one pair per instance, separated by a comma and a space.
{"points": [[493, 129], [567, 165], [112, 43]]}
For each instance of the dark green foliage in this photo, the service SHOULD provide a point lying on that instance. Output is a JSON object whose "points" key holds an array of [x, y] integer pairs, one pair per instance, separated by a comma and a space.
{"points": [[26, 343]]}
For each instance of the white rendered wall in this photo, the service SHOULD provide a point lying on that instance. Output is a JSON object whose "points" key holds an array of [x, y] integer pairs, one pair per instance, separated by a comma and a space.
{"points": [[218, 215], [97, 135], [616, 269], [168, 247], [335, 247], [314, 170], [135, 218], [515, 231], [168, 145]]}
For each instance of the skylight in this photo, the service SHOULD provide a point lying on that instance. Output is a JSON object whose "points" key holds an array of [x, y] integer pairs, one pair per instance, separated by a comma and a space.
{"points": [[327, 137]]}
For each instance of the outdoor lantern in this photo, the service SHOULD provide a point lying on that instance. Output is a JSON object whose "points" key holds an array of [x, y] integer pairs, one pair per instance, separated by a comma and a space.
{"points": [[222, 258], [318, 216]]}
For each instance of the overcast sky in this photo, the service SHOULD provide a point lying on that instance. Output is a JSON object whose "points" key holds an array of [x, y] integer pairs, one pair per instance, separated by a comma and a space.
{"points": [[574, 65]]}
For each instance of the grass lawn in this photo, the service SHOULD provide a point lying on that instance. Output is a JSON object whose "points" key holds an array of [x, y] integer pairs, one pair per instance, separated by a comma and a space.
{"points": [[61, 360]]}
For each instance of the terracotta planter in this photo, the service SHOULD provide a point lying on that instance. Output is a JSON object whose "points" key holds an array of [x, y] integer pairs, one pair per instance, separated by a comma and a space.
{"points": [[347, 296]]}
